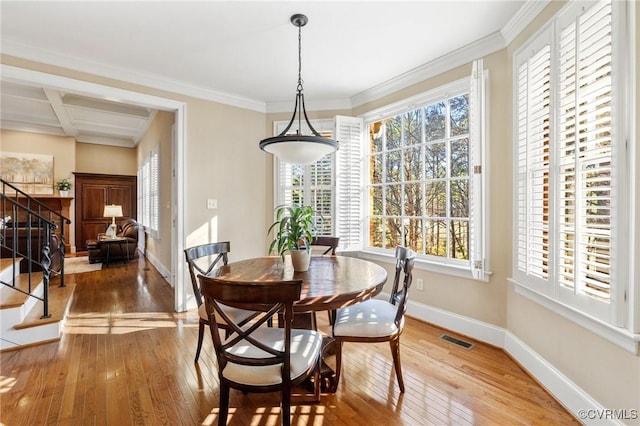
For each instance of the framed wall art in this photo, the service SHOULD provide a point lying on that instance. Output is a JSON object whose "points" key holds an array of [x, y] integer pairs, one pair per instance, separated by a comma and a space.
{"points": [[31, 173]]}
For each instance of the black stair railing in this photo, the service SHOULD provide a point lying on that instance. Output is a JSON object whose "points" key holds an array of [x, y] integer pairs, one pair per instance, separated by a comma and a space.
{"points": [[28, 231]]}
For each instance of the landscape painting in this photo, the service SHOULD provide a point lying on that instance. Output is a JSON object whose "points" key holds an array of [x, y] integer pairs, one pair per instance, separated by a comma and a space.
{"points": [[31, 173]]}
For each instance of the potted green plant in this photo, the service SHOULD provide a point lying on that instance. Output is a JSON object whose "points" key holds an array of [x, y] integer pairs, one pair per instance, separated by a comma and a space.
{"points": [[64, 185], [294, 231]]}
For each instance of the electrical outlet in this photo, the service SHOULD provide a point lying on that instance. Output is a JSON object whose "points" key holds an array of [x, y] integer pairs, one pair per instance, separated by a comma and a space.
{"points": [[420, 284], [212, 203]]}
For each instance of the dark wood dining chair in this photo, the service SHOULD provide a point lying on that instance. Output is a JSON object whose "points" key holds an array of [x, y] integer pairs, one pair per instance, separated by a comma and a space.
{"points": [[255, 358], [328, 244], [376, 320], [203, 259]]}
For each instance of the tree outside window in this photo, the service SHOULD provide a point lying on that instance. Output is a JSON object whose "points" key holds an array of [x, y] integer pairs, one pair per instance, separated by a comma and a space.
{"points": [[418, 186]]}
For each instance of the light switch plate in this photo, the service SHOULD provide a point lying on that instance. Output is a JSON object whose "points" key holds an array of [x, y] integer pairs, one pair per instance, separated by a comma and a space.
{"points": [[212, 203]]}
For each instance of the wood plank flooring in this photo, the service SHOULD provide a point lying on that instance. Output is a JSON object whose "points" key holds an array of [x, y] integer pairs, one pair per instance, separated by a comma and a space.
{"points": [[127, 359]]}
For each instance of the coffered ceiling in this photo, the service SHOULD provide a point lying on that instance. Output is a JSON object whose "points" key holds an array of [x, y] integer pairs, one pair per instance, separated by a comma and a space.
{"points": [[88, 120]]}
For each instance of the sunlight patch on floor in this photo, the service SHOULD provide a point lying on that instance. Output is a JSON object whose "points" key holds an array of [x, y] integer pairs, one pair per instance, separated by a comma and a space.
{"points": [[7, 383], [121, 323], [270, 415], [79, 265]]}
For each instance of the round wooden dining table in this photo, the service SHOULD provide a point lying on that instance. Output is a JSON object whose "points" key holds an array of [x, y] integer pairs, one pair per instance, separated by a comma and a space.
{"points": [[330, 283]]}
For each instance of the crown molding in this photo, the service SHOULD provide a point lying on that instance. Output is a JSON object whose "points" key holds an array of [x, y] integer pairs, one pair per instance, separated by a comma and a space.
{"points": [[36, 54], [485, 46], [462, 56], [525, 15]]}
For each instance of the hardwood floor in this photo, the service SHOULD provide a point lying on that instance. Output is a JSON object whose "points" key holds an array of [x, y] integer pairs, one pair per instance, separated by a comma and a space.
{"points": [[126, 358]]}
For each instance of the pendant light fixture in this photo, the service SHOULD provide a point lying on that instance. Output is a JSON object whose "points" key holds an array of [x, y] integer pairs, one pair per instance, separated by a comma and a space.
{"points": [[298, 148]]}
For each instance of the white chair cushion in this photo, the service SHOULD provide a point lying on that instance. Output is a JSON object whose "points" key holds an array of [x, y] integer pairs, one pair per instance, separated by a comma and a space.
{"points": [[305, 347], [237, 315], [371, 318]]}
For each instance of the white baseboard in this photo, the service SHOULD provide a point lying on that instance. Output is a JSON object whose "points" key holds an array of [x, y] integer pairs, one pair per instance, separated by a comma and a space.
{"points": [[166, 274], [557, 384], [479, 330]]}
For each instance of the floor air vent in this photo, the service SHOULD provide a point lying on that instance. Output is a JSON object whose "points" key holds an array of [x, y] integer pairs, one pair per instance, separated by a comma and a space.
{"points": [[456, 341]]}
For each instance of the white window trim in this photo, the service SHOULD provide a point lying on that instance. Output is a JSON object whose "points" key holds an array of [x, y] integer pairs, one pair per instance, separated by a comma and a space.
{"points": [[628, 336], [457, 271], [620, 336], [461, 269]]}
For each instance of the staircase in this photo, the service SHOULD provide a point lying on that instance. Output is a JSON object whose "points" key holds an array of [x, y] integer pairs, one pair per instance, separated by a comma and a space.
{"points": [[33, 294]]}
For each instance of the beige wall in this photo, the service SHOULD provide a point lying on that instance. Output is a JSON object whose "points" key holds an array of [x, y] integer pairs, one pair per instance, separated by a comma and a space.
{"points": [[224, 163], [112, 160], [159, 133], [61, 147]]}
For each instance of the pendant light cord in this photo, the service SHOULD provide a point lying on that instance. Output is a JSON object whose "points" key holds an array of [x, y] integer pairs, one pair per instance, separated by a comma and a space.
{"points": [[300, 58], [299, 88]]}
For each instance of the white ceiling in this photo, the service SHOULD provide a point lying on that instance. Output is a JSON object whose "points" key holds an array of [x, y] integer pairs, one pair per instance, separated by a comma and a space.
{"points": [[242, 53]]}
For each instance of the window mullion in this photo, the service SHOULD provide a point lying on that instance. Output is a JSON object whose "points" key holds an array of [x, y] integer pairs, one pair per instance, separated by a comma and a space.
{"points": [[423, 178], [383, 159], [447, 179]]}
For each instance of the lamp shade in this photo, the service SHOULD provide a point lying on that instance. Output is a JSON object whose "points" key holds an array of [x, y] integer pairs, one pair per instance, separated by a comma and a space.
{"points": [[298, 149], [112, 211]]}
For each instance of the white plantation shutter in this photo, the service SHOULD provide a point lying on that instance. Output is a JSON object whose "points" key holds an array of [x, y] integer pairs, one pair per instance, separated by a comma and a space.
{"points": [[476, 160], [154, 190], [533, 139], [149, 192], [349, 131], [322, 193], [570, 162], [585, 153]]}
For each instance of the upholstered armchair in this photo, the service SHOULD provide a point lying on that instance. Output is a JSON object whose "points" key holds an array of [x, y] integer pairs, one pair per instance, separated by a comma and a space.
{"points": [[128, 229]]}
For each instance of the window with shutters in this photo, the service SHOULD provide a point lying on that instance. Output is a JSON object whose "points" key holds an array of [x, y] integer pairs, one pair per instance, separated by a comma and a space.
{"points": [[332, 186], [423, 185], [414, 173], [309, 185], [149, 192], [571, 162]]}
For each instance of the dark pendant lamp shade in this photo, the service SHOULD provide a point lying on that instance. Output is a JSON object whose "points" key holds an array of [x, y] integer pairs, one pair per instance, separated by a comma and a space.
{"points": [[298, 148]]}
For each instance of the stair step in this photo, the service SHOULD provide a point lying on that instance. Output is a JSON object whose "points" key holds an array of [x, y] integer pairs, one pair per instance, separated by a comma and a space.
{"points": [[59, 298], [12, 298], [6, 262], [6, 268]]}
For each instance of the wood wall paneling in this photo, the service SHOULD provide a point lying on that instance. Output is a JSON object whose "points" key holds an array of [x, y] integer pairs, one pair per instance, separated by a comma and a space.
{"points": [[94, 191]]}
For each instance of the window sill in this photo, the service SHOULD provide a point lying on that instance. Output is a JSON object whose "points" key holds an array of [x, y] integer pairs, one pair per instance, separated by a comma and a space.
{"points": [[620, 336], [422, 265]]}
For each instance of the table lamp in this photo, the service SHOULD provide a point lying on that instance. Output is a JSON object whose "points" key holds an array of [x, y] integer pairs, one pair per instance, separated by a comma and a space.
{"points": [[112, 211]]}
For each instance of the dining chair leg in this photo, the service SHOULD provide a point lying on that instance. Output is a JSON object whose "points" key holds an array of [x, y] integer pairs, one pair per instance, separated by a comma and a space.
{"points": [[286, 406], [200, 338], [338, 349], [224, 405], [316, 381], [395, 352]]}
